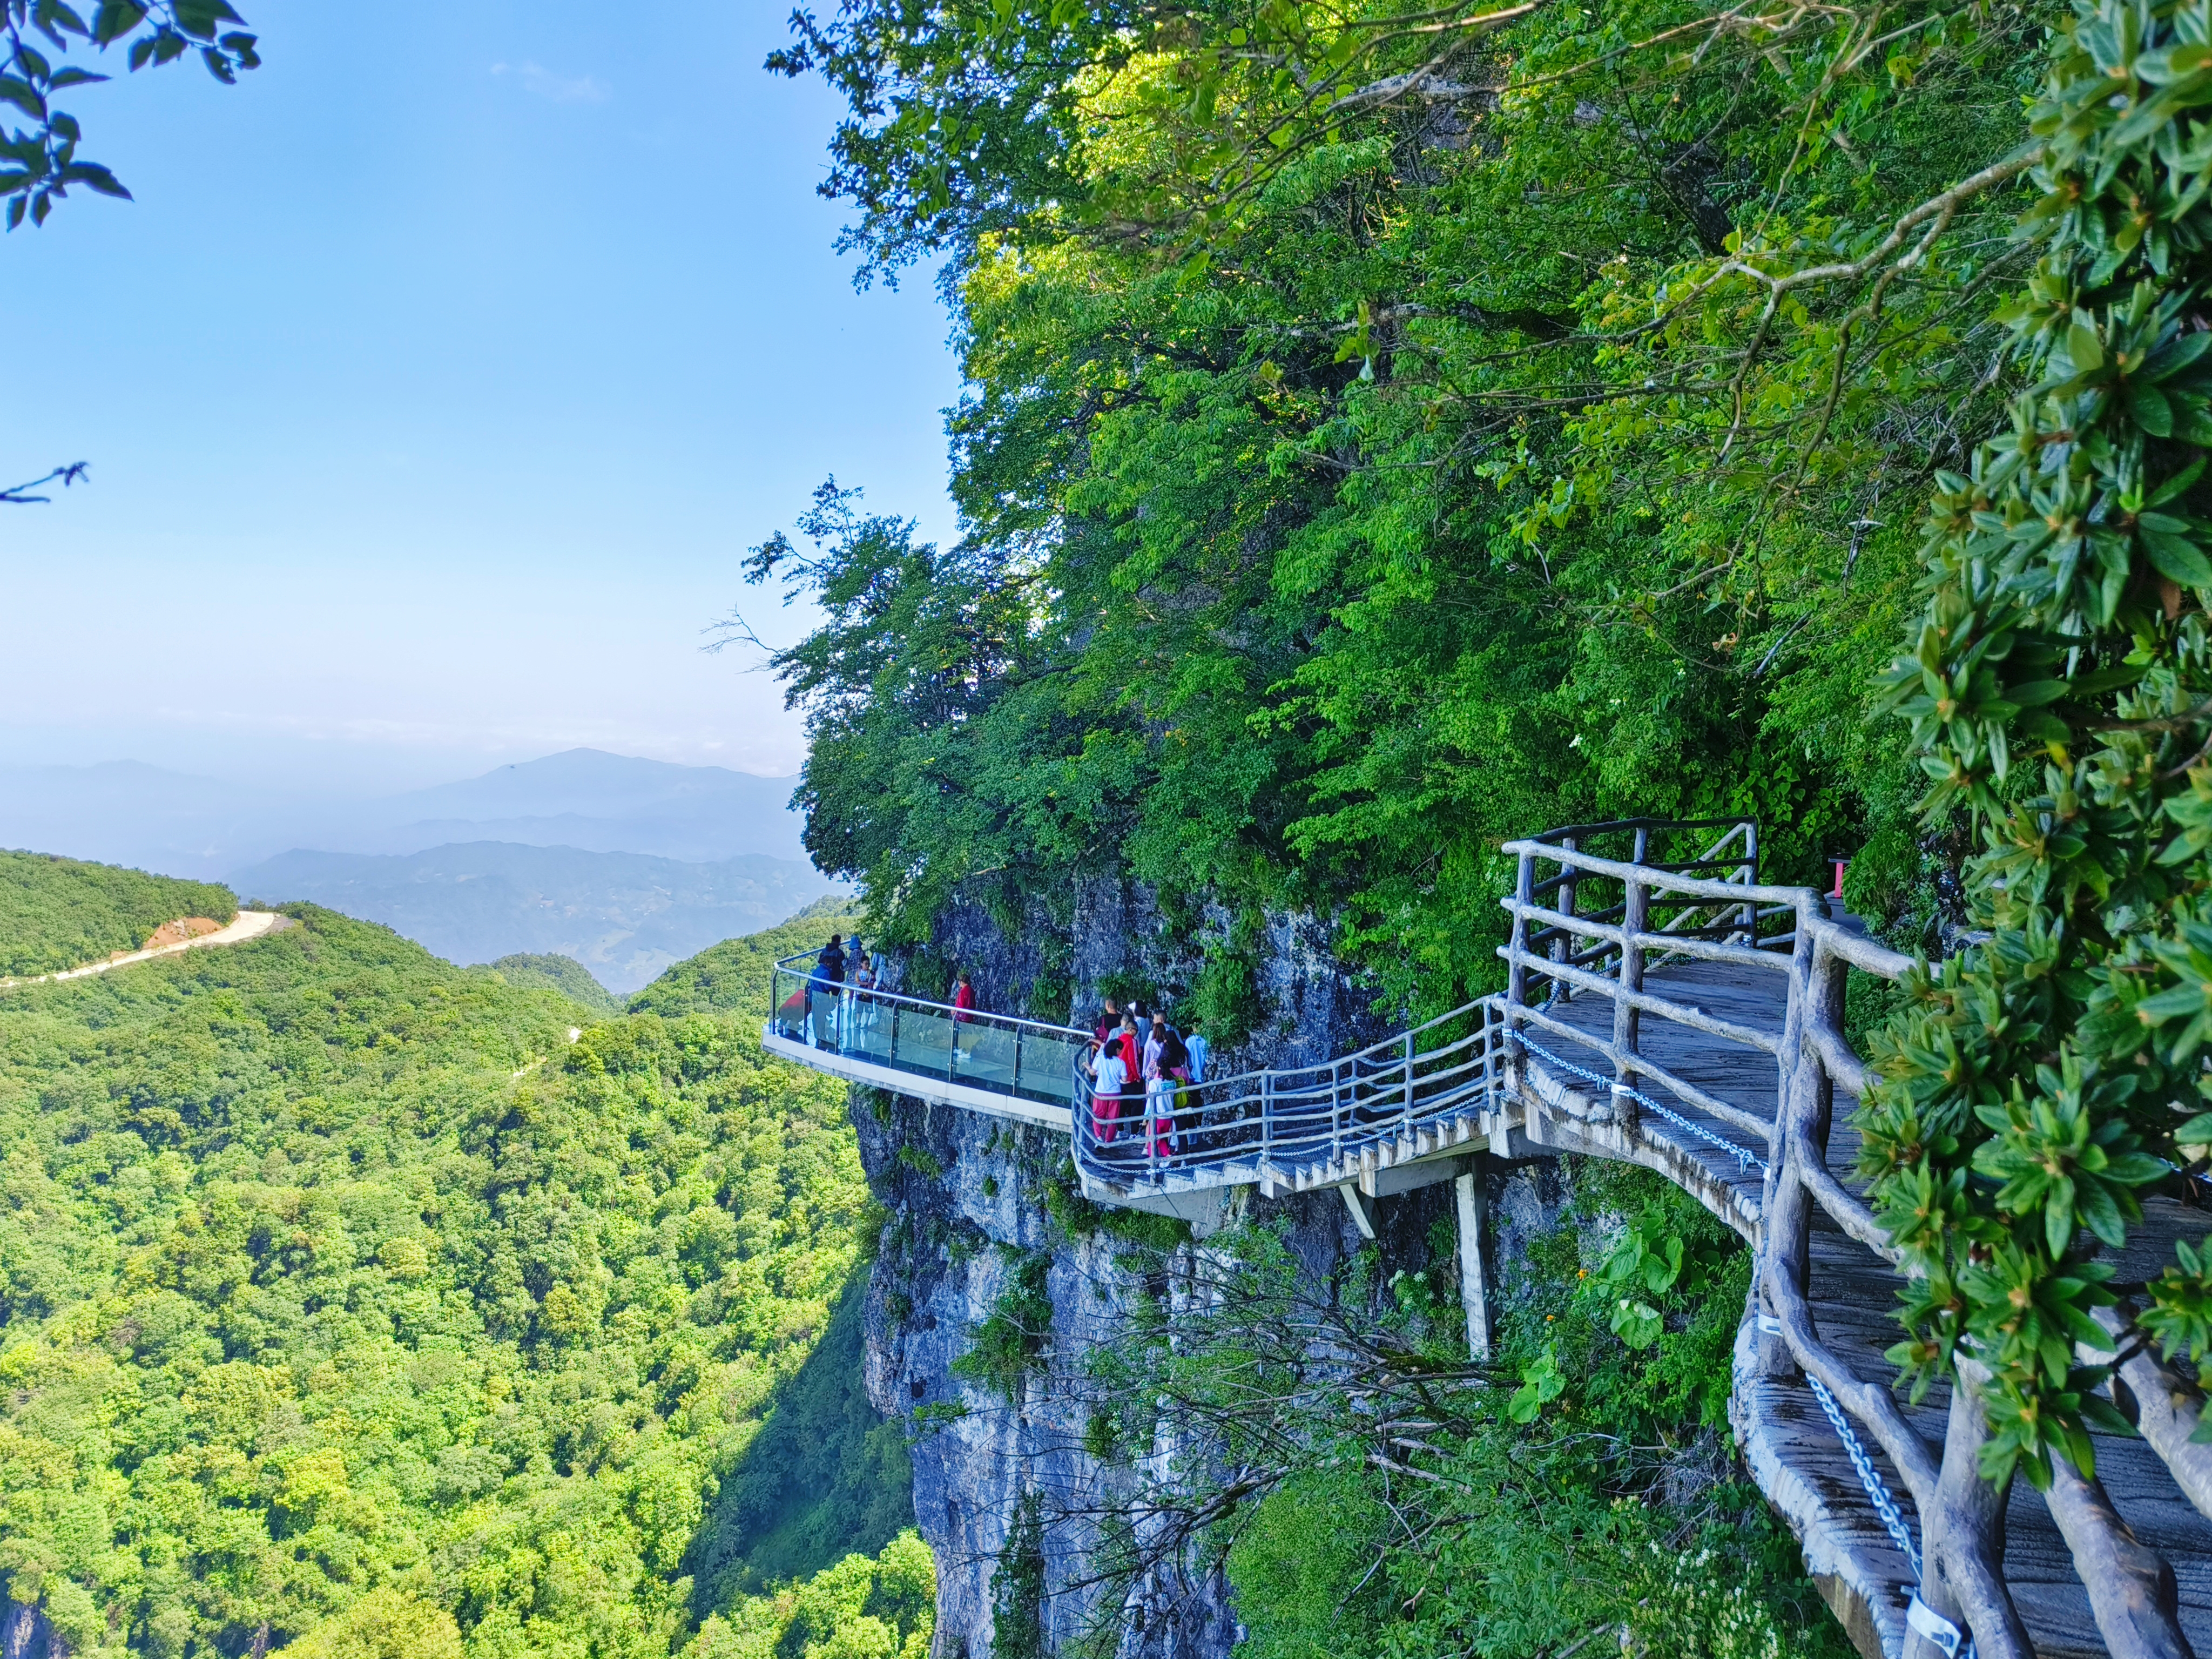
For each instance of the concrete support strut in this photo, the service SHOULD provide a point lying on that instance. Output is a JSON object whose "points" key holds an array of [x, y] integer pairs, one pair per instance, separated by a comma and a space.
{"points": [[1473, 1280]]}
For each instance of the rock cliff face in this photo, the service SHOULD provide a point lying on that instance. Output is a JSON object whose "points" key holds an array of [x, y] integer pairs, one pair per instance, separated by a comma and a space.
{"points": [[25, 1632], [1004, 1492]]}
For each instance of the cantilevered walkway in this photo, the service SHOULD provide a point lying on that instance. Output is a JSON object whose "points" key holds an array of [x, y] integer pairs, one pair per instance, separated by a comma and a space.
{"points": [[1663, 1008]]}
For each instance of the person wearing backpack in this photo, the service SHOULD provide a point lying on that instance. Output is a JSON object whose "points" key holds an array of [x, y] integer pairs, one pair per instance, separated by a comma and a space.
{"points": [[1174, 1071]]}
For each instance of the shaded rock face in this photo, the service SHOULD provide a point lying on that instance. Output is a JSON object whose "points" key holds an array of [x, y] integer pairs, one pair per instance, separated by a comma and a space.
{"points": [[967, 1197], [25, 1632]]}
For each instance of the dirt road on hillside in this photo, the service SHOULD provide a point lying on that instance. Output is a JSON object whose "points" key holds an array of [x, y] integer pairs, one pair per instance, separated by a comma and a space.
{"points": [[248, 924]]}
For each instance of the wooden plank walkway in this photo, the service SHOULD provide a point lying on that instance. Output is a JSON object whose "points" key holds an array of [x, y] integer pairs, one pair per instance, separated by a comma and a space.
{"points": [[1794, 1452]]}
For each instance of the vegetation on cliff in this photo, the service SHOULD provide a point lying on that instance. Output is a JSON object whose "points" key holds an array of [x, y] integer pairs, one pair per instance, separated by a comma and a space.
{"points": [[1370, 1491], [1391, 430], [1387, 437], [343, 1301]]}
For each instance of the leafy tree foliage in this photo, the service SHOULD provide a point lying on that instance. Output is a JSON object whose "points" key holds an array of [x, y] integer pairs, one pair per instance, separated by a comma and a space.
{"points": [[563, 974], [38, 164], [1351, 478], [883, 1608], [344, 1302], [1369, 1490], [2061, 699], [58, 913]]}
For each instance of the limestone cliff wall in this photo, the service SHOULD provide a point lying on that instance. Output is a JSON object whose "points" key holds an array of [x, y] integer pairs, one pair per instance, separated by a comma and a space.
{"points": [[966, 1196], [25, 1632]]}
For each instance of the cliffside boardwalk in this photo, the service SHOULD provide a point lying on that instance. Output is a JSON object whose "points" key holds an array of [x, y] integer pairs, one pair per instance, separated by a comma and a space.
{"points": [[1663, 1008]]}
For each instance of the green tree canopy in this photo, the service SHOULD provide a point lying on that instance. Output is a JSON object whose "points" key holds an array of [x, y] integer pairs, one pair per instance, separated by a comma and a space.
{"points": [[1353, 475], [344, 1298]]}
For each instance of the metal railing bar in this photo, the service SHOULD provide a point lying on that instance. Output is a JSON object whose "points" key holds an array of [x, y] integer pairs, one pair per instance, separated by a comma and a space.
{"points": [[978, 1016]]}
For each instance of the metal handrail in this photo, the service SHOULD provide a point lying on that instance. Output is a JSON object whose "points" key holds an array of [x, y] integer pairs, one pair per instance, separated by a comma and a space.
{"points": [[875, 993], [1288, 1117]]}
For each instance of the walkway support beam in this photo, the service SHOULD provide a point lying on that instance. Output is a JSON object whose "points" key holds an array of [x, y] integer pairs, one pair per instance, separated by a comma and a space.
{"points": [[1469, 1190]]}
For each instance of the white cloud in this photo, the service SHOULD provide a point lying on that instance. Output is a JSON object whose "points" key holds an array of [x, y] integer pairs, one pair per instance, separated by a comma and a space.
{"points": [[543, 82]]}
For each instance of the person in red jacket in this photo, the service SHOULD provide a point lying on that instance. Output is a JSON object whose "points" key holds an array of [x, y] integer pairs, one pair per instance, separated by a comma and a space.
{"points": [[963, 1003], [1129, 1046]]}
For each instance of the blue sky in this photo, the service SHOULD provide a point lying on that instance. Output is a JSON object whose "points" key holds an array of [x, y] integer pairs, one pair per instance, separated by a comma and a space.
{"points": [[434, 387]]}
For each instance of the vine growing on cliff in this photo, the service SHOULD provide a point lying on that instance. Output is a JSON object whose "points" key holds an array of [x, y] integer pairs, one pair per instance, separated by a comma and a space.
{"points": [[1330, 1449]]}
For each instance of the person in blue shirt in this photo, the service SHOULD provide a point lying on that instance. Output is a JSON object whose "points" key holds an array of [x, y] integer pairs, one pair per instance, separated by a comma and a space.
{"points": [[1195, 1041]]}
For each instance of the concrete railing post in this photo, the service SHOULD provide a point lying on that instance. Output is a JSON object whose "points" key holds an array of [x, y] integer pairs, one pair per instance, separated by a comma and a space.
{"points": [[1517, 973], [1635, 914], [1473, 1279], [1563, 948]]}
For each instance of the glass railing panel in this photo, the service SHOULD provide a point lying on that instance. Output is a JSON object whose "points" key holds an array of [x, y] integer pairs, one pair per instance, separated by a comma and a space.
{"points": [[866, 1031], [983, 1054], [923, 1041], [1049, 1062], [788, 1012]]}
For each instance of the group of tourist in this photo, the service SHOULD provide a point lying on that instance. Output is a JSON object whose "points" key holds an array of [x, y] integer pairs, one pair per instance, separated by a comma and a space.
{"points": [[840, 1008], [844, 996], [1145, 1072]]}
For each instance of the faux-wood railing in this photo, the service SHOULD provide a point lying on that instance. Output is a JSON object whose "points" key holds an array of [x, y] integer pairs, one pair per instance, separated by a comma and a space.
{"points": [[1595, 908], [1962, 1595]]}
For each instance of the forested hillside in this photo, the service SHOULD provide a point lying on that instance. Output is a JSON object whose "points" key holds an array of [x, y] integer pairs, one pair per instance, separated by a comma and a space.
{"points": [[344, 1302], [58, 913], [563, 974], [1387, 434], [732, 977]]}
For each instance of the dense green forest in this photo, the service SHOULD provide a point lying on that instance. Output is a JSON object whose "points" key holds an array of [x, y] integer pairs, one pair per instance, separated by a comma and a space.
{"points": [[563, 974], [1383, 438], [58, 913], [345, 1303]]}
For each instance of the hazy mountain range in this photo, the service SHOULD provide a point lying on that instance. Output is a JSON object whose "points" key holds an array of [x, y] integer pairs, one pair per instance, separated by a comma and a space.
{"points": [[625, 864], [178, 824], [624, 915]]}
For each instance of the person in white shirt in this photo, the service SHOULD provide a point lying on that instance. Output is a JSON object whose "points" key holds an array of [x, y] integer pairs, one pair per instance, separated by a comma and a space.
{"points": [[1108, 1077], [1194, 1041]]}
